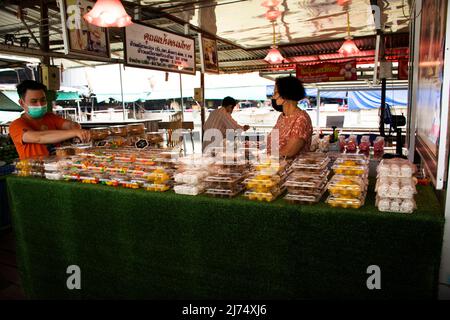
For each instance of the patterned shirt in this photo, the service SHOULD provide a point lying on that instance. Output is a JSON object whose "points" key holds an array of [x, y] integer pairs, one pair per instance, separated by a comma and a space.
{"points": [[221, 120], [296, 125]]}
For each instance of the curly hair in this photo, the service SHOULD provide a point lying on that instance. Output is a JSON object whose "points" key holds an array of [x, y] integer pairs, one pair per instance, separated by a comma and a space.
{"points": [[290, 88]]}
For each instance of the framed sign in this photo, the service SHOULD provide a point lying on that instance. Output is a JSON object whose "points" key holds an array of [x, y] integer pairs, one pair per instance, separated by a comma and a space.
{"points": [[208, 54], [327, 71], [80, 36], [153, 48]]}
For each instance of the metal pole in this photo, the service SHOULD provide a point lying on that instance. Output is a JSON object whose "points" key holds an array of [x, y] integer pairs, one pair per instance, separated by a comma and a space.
{"points": [[202, 106], [121, 93], [181, 94], [318, 107]]}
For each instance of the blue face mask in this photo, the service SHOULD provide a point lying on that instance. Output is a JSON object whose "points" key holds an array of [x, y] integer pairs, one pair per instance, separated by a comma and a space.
{"points": [[37, 112]]}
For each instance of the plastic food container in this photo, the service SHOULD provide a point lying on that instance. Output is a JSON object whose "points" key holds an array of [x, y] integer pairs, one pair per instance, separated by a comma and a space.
{"points": [[154, 137], [261, 196], [403, 188], [304, 199], [306, 180], [136, 128], [311, 162], [65, 151], [119, 131], [99, 133], [343, 168], [349, 186], [261, 181], [346, 202], [395, 205], [223, 193], [232, 182], [401, 168], [189, 189], [53, 176], [157, 187], [190, 177]]}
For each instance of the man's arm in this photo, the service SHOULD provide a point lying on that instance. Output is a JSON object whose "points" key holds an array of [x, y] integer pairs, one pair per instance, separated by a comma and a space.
{"points": [[68, 125], [54, 136]]}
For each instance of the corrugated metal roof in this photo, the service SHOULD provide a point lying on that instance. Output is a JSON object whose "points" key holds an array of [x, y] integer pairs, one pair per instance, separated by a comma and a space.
{"points": [[231, 57]]}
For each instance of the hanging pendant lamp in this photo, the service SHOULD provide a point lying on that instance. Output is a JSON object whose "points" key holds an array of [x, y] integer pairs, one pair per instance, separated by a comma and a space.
{"points": [[108, 13], [274, 55], [349, 47]]}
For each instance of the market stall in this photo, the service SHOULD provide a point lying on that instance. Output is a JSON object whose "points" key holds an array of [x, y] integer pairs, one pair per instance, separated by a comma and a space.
{"points": [[132, 244]]}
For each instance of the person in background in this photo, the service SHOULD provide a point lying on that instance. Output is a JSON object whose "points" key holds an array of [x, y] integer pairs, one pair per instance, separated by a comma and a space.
{"points": [[294, 125], [221, 120], [36, 131]]}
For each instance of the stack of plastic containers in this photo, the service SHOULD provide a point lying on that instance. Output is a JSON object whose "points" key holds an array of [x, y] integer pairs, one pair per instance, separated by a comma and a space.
{"points": [[30, 168], [191, 174], [230, 170], [54, 168], [308, 180], [348, 187], [161, 176], [266, 182], [396, 186]]}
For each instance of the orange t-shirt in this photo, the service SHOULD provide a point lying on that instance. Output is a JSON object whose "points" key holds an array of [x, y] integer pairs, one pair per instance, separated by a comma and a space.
{"points": [[49, 121]]}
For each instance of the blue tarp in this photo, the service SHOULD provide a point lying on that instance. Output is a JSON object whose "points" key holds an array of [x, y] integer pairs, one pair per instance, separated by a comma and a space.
{"points": [[358, 100]]}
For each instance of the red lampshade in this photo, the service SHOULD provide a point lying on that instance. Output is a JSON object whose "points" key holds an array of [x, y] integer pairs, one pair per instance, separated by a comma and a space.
{"points": [[272, 14], [349, 48], [270, 3], [274, 56], [108, 13]]}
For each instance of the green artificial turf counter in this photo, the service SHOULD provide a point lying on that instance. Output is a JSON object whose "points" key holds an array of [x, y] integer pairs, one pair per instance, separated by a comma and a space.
{"points": [[140, 244]]}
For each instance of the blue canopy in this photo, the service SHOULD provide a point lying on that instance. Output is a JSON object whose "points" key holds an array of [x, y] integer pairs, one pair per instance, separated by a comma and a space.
{"points": [[358, 100]]}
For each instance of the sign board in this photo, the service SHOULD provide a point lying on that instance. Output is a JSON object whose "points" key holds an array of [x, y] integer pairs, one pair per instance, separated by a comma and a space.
{"points": [[50, 77], [152, 48], [324, 72], [142, 144], [198, 94], [80, 36], [208, 54]]}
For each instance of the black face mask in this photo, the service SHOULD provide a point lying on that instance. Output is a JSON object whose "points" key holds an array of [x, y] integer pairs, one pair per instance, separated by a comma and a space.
{"points": [[277, 107]]}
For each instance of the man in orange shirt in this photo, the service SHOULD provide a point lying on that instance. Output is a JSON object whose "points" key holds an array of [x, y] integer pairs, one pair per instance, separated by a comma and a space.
{"points": [[37, 130]]}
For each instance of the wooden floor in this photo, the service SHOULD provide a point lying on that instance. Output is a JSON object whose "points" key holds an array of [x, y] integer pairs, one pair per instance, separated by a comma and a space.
{"points": [[10, 287]]}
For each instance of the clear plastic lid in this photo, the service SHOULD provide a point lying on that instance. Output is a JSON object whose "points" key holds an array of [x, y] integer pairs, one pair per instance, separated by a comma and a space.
{"points": [[224, 182], [262, 181], [304, 198], [395, 205], [53, 175], [190, 177], [403, 188], [157, 187], [343, 169], [306, 180], [189, 189], [396, 168], [348, 186], [261, 196], [223, 193], [311, 161], [346, 202]]}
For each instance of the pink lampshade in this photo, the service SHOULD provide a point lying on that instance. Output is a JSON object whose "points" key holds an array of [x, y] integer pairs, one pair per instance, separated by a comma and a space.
{"points": [[273, 14], [270, 3], [348, 48], [274, 56], [108, 13]]}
